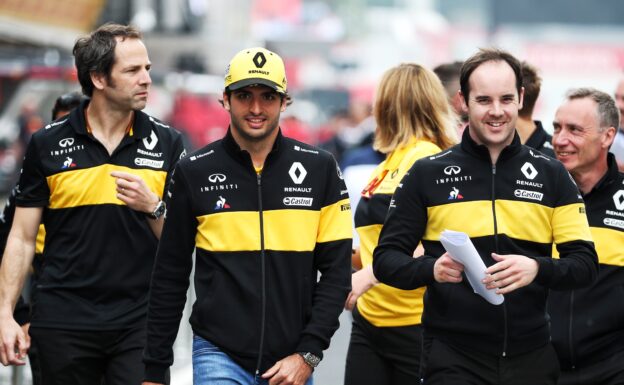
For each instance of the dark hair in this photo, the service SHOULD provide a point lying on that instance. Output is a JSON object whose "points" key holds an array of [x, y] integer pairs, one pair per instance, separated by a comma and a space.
{"points": [[483, 56], [95, 53], [67, 102], [448, 74], [532, 84]]}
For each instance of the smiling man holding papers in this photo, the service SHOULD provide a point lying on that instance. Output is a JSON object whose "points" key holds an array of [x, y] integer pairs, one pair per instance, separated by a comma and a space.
{"points": [[513, 203]]}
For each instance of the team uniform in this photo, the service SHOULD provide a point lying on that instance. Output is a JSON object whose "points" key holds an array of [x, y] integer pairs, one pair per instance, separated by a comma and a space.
{"points": [[588, 324], [98, 253], [521, 205], [261, 237], [386, 328], [541, 140]]}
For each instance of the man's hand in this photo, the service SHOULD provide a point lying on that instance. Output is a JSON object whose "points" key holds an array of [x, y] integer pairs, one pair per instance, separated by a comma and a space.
{"points": [[361, 281], [448, 270], [132, 190], [14, 343], [511, 272], [291, 370], [25, 329]]}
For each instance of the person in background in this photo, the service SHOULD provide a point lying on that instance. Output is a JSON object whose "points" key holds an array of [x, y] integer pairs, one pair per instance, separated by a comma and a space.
{"points": [[587, 325], [62, 106], [449, 76], [531, 131], [513, 203], [414, 120], [65, 103], [94, 180], [617, 148], [265, 215]]}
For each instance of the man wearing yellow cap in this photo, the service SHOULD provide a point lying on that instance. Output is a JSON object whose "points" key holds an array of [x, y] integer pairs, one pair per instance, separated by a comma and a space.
{"points": [[266, 214]]}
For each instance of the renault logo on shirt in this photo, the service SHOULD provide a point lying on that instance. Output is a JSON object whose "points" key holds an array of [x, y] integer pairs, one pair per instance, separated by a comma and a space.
{"points": [[297, 172], [150, 142], [452, 170], [618, 199], [529, 171], [214, 178], [66, 142]]}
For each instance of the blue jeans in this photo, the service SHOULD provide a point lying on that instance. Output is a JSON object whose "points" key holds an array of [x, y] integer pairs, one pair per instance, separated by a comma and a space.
{"points": [[212, 366]]}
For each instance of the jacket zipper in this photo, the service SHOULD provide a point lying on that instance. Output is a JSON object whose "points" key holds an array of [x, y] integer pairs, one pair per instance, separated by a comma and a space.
{"points": [[570, 331], [263, 274], [504, 353]]}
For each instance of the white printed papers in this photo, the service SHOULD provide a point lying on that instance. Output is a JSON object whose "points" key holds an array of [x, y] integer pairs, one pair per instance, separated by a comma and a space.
{"points": [[461, 249]]}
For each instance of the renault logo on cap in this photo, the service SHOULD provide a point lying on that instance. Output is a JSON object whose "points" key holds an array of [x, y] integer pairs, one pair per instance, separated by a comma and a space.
{"points": [[259, 60]]}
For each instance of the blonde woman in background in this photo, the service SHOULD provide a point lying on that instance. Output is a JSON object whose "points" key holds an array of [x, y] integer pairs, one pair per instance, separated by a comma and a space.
{"points": [[414, 120]]}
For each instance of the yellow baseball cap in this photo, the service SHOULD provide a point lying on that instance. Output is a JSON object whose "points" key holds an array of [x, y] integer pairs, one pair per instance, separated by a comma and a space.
{"points": [[256, 66]]}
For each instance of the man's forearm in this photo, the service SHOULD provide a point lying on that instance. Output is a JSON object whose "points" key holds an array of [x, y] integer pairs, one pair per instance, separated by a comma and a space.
{"points": [[16, 262]]}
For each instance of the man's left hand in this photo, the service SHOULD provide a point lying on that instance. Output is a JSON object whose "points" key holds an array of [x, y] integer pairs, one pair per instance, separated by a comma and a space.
{"points": [[132, 190], [291, 370], [511, 272]]}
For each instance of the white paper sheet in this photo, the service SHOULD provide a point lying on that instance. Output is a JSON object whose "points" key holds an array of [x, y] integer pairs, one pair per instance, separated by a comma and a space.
{"points": [[461, 249]]}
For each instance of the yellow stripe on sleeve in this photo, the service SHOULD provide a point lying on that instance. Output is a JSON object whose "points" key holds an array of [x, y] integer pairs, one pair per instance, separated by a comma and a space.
{"points": [[608, 243], [335, 222], [95, 185], [570, 224]]}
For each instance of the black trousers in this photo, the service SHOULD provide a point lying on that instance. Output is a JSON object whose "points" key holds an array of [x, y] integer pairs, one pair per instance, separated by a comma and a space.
{"points": [[33, 360], [77, 357], [383, 355], [604, 372], [444, 364]]}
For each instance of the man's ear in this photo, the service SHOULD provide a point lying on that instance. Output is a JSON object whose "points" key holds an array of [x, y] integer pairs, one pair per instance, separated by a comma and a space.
{"points": [[226, 101], [464, 105], [99, 80], [609, 137]]}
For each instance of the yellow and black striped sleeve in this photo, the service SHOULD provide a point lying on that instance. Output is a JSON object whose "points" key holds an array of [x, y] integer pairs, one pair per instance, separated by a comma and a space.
{"points": [[578, 262]]}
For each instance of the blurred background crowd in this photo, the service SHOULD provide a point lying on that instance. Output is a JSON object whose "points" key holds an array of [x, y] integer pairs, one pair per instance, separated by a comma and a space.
{"points": [[335, 53]]}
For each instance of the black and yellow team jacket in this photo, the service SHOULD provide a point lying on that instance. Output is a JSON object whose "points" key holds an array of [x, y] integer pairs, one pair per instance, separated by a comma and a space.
{"points": [[588, 324], [261, 239], [521, 205], [98, 253], [383, 305]]}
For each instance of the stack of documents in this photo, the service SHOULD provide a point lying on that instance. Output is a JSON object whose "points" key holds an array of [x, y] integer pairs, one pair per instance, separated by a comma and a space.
{"points": [[461, 249]]}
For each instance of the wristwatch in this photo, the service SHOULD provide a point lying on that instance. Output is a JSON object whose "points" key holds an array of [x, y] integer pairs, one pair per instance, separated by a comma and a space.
{"points": [[159, 211], [311, 359]]}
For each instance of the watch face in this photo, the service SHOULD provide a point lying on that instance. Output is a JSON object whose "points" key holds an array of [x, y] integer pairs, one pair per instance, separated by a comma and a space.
{"points": [[160, 210], [311, 359]]}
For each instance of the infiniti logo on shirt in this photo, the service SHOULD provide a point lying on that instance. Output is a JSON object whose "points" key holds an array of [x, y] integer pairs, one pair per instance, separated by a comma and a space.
{"points": [[214, 178], [452, 170], [66, 142]]}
